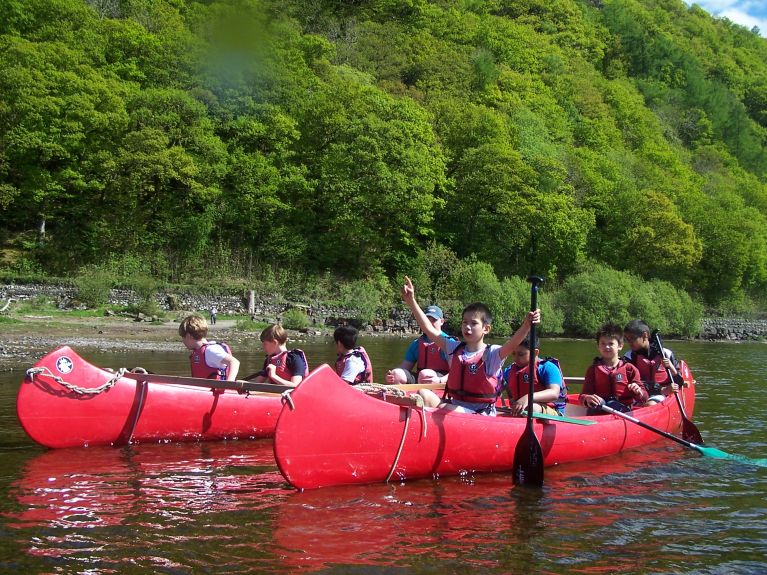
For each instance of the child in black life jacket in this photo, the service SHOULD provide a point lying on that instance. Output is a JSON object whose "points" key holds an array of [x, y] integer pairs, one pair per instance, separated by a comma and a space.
{"points": [[209, 359], [281, 366]]}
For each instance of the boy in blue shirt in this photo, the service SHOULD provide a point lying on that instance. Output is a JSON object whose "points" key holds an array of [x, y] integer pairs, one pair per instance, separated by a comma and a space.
{"points": [[549, 389]]}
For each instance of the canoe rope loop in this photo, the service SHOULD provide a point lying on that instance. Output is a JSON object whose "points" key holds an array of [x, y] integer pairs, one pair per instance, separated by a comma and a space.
{"points": [[33, 372], [285, 398], [378, 389], [401, 444]]}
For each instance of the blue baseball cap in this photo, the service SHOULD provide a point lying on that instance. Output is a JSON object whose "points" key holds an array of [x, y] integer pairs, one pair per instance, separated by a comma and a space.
{"points": [[434, 311]]}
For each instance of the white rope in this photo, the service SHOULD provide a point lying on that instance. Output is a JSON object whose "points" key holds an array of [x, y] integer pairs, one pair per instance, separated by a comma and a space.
{"points": [[44, 371]]}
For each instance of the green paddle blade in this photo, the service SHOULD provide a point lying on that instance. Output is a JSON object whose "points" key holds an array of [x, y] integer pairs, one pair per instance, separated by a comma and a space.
{"points": [[719, 454], [562, 418]]}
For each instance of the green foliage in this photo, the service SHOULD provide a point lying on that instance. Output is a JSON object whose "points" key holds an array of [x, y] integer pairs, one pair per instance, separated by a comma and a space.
{"points": [[268, 144], [295, 318], [93, 285], [366, 296]]}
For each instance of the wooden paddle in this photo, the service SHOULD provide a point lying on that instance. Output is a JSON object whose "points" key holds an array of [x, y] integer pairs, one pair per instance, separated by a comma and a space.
{"points": [[689, 429], [707, 451], [528, 457]]}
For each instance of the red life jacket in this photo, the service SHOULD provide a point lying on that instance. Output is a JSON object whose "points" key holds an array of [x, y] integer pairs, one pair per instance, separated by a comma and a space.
{"points": [[467, 379], [613, 383], [430, 356], [280, 360], [650, 370], [366, 375], [201, 369], [517, 378]]}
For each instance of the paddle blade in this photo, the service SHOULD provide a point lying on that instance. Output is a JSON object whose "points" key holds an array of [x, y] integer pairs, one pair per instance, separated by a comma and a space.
{"points": [[690, 432], [719, 454], [528, 460]]}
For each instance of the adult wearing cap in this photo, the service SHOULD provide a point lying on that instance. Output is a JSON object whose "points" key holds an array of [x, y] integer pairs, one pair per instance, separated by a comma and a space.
{"points": [[432, 364]]}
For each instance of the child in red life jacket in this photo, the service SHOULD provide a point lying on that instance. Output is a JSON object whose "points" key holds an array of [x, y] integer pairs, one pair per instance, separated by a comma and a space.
{"points": [[353, 364], [281, 366], [209, 359], [651, 362], [473, 382], [549, 389], [610, 378], [422, 352]]}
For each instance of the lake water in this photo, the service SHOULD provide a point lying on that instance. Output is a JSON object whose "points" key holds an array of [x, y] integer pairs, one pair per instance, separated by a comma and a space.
{"points": [[224, 508]]}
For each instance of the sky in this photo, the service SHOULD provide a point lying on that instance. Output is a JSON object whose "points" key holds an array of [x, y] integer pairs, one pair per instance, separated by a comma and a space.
{"points": [[748, 13]]}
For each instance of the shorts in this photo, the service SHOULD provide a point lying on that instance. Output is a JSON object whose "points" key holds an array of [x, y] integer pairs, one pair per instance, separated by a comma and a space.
{"points": [[548, 410], [469, 407], [411, 378], [660, 397]]}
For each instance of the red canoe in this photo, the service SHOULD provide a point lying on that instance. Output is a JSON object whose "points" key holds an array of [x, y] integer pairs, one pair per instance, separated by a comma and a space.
{"points": [[129, 411], [332, 434]]}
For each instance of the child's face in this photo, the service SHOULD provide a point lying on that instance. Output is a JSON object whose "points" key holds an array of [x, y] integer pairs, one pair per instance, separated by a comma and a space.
{"points": [[473, 328], [609, 347], [270, 346], [190, 343], [521, 356], [637, 342]]}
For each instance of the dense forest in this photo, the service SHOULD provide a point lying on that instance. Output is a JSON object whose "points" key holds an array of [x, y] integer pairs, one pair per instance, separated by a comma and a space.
{"points": [[371, 138]]}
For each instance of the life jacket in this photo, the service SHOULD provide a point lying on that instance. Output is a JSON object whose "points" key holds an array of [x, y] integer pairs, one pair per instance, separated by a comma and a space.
{"points": [[613, 383], [201, 369], [467, 379], [651, 371], [366, 375], [280, 360], [517, 380], [430, 356]]}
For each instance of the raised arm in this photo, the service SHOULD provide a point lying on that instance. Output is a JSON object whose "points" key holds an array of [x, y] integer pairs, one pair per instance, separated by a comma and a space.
{"points": [[408, 296], [519, 336]]}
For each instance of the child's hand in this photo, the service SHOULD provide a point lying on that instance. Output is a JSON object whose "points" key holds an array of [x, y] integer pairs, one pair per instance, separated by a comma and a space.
{"points": [[592, 400], [635, 388], [533, 317], [390, 377], [408, 291], [271, 371]]}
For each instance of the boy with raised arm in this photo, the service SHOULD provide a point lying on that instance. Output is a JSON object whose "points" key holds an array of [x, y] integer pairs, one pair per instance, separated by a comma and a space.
{"points": [[423, 352], [475, 367]]}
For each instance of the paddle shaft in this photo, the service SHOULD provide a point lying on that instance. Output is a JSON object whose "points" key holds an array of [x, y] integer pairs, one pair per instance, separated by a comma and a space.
{"points": [[665, 434], [528, 456], [689, 429]]}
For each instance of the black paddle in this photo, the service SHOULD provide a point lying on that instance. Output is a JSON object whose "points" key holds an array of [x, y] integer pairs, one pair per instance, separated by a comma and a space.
{"points": [[707, 451], [689, 429], [528, 457]]}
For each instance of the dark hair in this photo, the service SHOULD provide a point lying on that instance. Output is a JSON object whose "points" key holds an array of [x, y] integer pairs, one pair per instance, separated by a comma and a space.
{"points": [[347, 335], [481, 309], [612, 331], [637, 327]]}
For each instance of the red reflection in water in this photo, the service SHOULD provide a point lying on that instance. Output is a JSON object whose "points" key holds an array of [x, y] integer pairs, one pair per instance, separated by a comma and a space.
{"points": [[481, 521], [480, 518], [102, 486]]}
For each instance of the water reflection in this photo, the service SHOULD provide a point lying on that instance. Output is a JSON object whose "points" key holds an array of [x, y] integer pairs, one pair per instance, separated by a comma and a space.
{"points": [[222, 507]]}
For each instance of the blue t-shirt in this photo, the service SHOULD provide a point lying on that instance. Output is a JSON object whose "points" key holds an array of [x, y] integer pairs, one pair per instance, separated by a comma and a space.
{"points": [[411, 354]]}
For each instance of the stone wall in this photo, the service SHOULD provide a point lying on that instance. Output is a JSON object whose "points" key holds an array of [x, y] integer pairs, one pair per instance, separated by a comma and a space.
{"points": [[397, 320], [734, 329]]}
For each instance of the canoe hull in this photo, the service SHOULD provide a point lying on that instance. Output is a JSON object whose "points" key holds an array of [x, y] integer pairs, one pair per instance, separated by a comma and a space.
{"points": [[131, 411], [332, 434]]}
